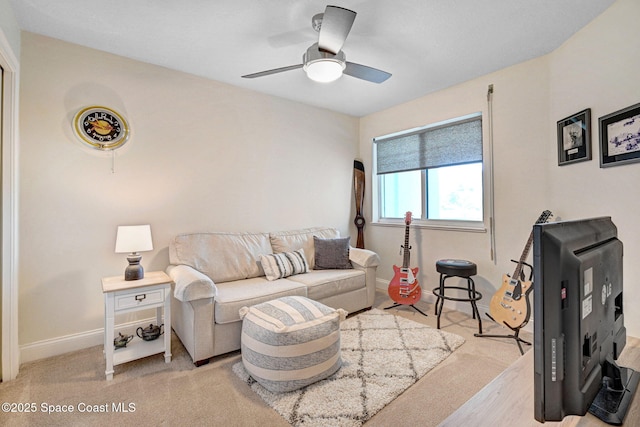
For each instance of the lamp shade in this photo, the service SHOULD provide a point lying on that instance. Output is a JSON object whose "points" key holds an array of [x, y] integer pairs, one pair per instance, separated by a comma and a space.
{"points": [[133, 238]]}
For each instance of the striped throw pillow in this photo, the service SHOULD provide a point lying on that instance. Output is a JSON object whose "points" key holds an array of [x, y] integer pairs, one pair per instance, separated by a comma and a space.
{"points": [[290, 342], [285, 264]]}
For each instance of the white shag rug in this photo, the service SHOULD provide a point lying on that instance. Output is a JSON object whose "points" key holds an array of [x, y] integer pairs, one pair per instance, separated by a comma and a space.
{"points": [[382, 355]]}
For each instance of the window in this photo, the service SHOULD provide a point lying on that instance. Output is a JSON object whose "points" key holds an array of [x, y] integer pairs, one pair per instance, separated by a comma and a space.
{"points": [[436, 172]]}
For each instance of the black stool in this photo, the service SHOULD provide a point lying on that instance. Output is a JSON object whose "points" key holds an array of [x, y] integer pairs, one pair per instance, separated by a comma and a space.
{"points": [[457, 268]]}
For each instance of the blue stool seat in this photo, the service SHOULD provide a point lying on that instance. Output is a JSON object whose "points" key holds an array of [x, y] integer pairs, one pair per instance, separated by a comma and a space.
{"points": [[457, 268]]}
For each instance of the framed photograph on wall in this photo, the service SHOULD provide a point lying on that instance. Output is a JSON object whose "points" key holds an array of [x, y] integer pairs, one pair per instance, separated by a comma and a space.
{"points": [[574, 138], [620, 137]]}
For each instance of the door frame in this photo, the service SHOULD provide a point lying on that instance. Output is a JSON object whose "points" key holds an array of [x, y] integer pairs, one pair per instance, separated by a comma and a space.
{"points": [[10, 356]]}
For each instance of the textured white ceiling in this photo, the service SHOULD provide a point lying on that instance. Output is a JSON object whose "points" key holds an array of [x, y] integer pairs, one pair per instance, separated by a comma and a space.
{"points": [[426, 44]]}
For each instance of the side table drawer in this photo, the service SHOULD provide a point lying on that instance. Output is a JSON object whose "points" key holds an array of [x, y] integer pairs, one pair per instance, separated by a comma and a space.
{"points": [[139, 299]]}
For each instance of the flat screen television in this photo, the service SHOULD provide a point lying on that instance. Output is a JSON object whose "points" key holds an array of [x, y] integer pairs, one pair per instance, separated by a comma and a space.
{"points": [[579, 322]]}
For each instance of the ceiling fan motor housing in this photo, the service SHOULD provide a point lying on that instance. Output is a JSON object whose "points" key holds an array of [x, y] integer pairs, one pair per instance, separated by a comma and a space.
{"points": [[314, 54]]}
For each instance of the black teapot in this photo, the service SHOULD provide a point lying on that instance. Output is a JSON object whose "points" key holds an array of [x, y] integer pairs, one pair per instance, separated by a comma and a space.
{"points": [[150, 333], [122, 340]]}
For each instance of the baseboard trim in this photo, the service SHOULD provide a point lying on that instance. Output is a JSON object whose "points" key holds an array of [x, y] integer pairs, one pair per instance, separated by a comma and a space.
{"points": [[464, 307], [74, 342]]}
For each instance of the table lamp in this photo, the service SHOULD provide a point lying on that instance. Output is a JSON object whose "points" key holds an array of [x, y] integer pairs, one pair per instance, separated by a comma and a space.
{"points": [[133, 239]]}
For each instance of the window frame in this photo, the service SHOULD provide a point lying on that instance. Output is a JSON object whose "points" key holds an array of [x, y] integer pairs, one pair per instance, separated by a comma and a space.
{"points": [[440, 224]]}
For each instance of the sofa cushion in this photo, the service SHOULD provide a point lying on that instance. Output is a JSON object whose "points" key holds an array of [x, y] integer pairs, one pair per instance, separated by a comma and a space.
{"points": [[221, 256], [284, 264], [326, 283], [232, 296], [332, 253], [289, 241], [290, 342]]}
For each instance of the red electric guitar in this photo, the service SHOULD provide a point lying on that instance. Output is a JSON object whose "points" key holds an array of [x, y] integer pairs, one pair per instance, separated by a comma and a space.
{"points": [[404, 288]]}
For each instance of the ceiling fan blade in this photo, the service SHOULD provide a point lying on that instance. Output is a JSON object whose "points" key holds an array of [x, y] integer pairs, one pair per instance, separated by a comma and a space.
{"points": [[366, 73], [336, 24], [274, 71]]}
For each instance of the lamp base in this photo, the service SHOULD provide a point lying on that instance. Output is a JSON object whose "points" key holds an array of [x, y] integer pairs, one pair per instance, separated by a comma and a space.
{"points": [[134, 270]]}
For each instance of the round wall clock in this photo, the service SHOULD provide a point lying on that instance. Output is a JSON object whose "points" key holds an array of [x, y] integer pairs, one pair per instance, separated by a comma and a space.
{"points": [[101, 128]]}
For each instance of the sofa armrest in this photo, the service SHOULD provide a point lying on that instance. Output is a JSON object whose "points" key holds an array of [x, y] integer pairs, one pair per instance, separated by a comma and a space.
{"points": [[363, 257], [190, 283]]}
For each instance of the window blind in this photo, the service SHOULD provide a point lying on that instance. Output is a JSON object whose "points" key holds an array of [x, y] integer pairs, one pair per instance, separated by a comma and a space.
{"points": [[453, 143]]}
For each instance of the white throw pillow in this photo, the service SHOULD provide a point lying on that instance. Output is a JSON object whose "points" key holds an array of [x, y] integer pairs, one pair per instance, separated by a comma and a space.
{"points": [[284, 264]]}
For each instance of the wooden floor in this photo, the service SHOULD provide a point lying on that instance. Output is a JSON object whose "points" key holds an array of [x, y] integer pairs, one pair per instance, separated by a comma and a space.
{"points": [[508, 400]]}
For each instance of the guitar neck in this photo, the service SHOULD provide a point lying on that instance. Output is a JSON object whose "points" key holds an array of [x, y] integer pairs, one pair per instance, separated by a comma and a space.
{"points": [[406, 254], [542, 219], [518, 271]]}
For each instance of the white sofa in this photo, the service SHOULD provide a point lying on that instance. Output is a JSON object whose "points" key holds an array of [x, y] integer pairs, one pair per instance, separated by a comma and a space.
{"points": [[216, 274]]}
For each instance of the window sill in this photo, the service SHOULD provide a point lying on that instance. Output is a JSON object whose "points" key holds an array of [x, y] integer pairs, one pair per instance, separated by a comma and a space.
{"points": [[464, 226]]}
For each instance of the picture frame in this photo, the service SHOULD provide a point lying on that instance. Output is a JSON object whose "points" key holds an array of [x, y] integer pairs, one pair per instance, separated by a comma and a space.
{"points": [[574, 138], [620, 137]]}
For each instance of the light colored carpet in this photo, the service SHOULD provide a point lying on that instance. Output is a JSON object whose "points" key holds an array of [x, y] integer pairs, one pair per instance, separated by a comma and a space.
{"points": [[382, 356], [178, 393]]}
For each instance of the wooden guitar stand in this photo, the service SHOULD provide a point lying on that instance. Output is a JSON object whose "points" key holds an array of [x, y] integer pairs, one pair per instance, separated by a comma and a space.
{"points": [[516, 331]]}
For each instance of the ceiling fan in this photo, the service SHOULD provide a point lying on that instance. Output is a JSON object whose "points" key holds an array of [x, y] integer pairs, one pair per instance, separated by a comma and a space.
{"points": [[324, 61]]}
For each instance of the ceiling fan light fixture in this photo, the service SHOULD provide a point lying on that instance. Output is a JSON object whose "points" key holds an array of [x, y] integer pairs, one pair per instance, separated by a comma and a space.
{"points": [[322, 66], [324, 70]]}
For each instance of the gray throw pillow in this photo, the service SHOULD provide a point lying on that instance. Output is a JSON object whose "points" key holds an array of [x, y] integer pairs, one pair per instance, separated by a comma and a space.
{"points": [[332, 253]]}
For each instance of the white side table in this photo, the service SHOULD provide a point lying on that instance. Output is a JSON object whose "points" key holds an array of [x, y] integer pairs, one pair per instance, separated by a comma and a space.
{"points": [[122, 296]]}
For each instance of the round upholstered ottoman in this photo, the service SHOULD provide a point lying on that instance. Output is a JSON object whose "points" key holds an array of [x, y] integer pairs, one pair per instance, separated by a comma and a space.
{"points": [[290, 342]]}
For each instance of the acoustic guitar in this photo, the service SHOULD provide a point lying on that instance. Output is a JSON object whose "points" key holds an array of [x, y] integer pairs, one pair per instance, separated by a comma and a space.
{"points": [[404, 287], [510, 304]]}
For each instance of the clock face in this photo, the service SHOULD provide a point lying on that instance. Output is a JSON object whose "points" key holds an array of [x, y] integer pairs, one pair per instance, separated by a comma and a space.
{"points": [[101, 128]]}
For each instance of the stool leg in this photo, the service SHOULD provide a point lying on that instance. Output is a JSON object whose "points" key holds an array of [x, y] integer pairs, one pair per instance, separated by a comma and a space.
{"points": [[474, 306], [440, 301], [471, 292], [438, 296]]}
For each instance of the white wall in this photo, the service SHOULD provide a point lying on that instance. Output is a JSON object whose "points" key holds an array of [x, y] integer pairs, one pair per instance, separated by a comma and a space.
{"points": [[596, 68], [203, 156], [9, 26]]}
